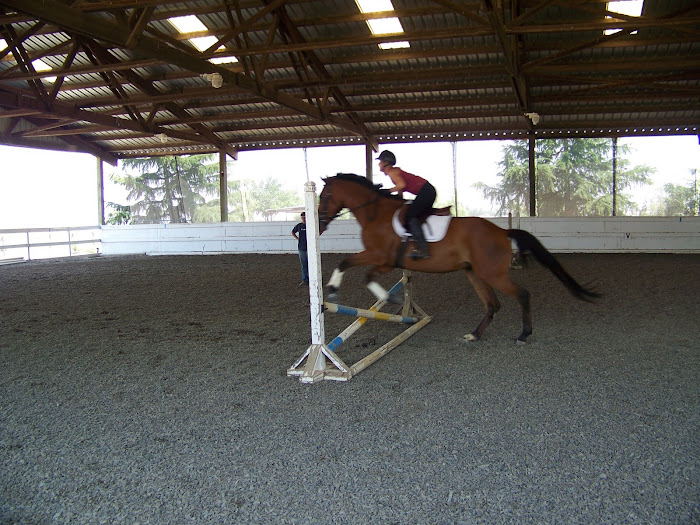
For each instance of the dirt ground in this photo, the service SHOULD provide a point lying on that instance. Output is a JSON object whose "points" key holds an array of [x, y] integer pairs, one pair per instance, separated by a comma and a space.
{"points": [[154, 390]]}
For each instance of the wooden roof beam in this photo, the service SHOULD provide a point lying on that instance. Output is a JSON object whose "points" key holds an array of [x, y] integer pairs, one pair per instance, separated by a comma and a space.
{"points": [[510, 55], [67, 110], [74, 20], [320, 69]]}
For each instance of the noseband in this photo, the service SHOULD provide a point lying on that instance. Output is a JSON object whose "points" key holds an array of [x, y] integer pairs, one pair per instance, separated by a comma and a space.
{"points": [[323, 218]]}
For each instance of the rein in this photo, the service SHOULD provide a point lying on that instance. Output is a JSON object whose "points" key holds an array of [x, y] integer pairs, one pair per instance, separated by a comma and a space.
{"points": [[376, 199]]}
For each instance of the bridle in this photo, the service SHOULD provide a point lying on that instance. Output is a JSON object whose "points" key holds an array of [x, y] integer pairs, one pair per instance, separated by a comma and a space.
{"points": [[323, 217]]}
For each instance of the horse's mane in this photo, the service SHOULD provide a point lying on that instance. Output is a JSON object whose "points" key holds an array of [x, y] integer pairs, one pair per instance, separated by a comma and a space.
{"points": [[364, 181]]}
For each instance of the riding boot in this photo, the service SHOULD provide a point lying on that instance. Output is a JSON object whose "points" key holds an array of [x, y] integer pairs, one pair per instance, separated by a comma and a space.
{"points": [[415, 228]]}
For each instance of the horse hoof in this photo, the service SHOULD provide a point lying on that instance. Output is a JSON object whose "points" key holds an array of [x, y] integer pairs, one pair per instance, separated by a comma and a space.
{"points": [[520, 342], [395, 299], [332, 298], [471, 337]]}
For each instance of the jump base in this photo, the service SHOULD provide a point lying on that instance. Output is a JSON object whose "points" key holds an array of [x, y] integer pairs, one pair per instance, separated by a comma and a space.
{"points": [[320, 362]]}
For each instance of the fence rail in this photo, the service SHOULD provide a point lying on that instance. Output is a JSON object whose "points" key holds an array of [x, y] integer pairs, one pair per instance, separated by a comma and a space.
{"points": [[18, 244]]}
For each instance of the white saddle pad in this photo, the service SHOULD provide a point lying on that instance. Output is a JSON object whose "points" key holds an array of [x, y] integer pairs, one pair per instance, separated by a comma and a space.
{"points": [[434, 228]]}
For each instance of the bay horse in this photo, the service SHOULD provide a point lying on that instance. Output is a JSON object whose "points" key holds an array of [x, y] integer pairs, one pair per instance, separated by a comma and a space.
{"points": [[475, 245]]}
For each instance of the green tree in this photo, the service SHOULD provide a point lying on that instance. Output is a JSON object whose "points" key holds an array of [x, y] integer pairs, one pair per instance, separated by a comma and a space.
{"points": [[169, 189], [680, 200], [120, 215], [248, 199], [573, 178], [512, 194], [208, 212]]}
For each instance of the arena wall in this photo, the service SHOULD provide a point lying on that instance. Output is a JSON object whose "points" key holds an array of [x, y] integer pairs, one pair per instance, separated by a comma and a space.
{"points": [[560, 235]]}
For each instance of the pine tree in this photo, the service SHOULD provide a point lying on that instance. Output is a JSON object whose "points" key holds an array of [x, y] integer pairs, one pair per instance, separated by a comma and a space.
{"points": [[573, 178], [169, 189]]}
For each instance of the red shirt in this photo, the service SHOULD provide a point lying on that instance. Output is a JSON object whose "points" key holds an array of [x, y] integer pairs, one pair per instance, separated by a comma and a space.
{"points": [[414, 183]]}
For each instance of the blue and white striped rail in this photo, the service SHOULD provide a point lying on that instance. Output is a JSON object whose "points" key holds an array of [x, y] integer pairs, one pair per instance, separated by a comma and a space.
{"points": [[354, 327], [369, 314]]}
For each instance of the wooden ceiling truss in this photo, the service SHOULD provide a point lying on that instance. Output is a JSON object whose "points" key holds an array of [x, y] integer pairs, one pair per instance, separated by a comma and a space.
{"points": [[309, 72]]}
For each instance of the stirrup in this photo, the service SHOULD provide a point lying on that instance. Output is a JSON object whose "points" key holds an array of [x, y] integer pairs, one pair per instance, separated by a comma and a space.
{"points": [[418, 254]]}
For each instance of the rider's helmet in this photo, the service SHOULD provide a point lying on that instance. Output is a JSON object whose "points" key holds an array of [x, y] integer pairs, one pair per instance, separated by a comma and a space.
{"points": [[388, 157]]}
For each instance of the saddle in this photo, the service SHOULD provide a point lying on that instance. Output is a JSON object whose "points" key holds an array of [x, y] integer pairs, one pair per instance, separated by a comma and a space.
{"points": [[434, 224], [441, 212]]}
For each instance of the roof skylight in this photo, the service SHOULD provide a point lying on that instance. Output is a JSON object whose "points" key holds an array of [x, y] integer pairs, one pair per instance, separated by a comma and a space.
{"points": [[624, 7], [39, 65], [383, 26], [187, 24], [3, 47], [192, 24]]}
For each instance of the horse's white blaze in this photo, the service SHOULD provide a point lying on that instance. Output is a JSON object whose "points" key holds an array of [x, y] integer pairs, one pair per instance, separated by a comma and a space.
{"points": [[336, 279], [379, 292]]}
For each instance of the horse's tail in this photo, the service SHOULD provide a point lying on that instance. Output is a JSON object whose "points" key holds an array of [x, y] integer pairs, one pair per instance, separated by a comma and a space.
{"points": [[528, 243]]}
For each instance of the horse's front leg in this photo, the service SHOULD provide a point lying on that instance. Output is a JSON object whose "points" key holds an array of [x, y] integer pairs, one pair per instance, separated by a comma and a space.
{"points": [[358, 259], [377, 289]]}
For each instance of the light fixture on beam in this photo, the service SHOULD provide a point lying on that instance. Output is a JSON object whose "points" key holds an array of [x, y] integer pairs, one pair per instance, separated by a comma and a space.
{"points": [[215, 78], [534, 117]]}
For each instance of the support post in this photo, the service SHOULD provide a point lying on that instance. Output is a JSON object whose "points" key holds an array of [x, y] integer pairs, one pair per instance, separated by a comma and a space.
{"points": [[614, 176], [532, 176], [223, 186], [368, 160]]}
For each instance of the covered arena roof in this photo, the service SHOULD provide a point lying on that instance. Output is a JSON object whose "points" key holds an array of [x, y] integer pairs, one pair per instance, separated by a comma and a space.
{"points": [[293, 73]]}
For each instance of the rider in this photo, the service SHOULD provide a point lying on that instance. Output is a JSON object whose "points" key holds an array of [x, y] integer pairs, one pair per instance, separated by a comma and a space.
{"points": [[421, 188]]}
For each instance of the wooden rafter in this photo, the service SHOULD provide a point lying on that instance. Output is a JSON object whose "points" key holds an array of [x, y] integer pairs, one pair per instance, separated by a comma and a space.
{"points": [[510, 55], [114, 33], [320, 71], [313, 71]]}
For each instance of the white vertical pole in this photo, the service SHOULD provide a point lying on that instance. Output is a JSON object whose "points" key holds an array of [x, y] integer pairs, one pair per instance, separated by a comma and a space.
{"points": [[454, 175], [306, 164], [318, 333], [100, 192]]}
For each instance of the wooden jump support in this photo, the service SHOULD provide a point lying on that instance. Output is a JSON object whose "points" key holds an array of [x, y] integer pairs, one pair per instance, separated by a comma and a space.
{"points": [[320, 362]]}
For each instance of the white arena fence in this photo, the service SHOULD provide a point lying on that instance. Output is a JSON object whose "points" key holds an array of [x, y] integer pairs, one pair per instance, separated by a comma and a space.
{"points": [[559, 235], [43, 243]]}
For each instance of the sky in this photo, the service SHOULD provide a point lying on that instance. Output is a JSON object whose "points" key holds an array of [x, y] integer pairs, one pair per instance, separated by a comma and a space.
{"points": [[41, 188]]}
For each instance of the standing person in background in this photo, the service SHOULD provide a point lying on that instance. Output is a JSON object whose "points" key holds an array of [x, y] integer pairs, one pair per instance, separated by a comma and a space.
{"points": [[299, 233], [423, 203]]}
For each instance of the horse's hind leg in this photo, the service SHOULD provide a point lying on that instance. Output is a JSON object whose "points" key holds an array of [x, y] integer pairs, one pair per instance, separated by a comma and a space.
{"points": [[505, 285], [524, 300], [491, 304]]}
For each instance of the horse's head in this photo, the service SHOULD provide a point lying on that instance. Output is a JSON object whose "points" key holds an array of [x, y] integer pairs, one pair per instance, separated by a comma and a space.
{"points": [[347, 190], [328, 206]]}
